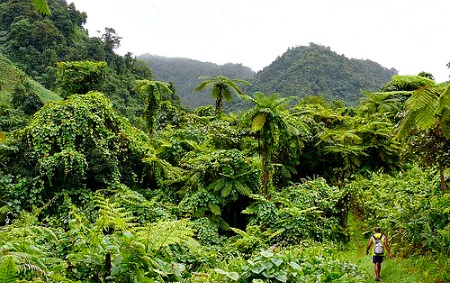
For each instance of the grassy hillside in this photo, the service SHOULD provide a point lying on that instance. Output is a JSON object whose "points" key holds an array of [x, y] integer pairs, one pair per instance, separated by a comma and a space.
{"points": [[12, 78], [20, 96]]}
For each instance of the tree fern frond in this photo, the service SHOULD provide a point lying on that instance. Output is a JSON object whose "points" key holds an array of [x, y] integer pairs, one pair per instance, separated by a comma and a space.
{"points": [[42, 7], [111, 215], [445, 124], [242, 189], [226, 93], [258, 122], [165, 233], [201, 86], [444, 99], [215, 209], [8, 270], [422, 105], [226, 191]]}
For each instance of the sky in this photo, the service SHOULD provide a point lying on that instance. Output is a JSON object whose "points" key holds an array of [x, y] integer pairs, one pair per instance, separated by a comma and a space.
{"points": [[408, 35]]}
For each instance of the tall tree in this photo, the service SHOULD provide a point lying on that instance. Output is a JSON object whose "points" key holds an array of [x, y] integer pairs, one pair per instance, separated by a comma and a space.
{"points": [[274, 127], [111, 39], [427, 115], [222, 87], [152, 91]]}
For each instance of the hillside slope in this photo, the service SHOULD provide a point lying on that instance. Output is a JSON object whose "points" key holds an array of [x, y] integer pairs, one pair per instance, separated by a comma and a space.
{"points": [[20, 96], [317, 70], [13, 78], [185, 73]]}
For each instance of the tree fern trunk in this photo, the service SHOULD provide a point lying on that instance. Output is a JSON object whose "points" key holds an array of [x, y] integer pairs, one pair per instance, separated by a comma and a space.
{"points": [[442, 176], [107, 267], [265, 168]]}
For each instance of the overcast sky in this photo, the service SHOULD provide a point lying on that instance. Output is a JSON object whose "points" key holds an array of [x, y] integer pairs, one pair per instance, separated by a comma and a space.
{"points": [[408, 35]]}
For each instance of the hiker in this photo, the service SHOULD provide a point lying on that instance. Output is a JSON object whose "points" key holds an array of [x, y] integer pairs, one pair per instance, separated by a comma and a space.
{"points": [[380, 250]]}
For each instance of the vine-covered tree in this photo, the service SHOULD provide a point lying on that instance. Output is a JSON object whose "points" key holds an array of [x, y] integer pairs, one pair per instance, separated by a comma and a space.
{"points": [[71, 149], [80, 77]]}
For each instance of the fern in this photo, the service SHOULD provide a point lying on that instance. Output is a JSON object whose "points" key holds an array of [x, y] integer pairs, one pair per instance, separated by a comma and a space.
{"points": [[214, 208], [8, 271], [165, 233], [111, 215]]}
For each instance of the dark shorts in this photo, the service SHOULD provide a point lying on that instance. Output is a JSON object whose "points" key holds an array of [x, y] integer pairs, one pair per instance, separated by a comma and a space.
{"points": [[377, 258]]}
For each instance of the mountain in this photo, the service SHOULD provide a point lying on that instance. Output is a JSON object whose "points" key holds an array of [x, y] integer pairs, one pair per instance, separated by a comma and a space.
{"points": [[301, 71], [317, 70], [185, 73]]}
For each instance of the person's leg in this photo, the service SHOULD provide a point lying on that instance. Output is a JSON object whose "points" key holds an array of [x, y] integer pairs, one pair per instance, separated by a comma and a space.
{"points": [[377, 270]]}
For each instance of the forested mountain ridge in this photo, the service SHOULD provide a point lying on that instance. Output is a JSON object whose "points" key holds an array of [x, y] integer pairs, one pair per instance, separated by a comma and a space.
{"points": [[301, 71], [185, 73], [317, 70]]}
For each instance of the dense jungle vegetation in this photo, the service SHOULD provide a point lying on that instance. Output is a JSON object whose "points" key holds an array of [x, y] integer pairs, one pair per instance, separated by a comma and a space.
{"points": [[107, 177]]}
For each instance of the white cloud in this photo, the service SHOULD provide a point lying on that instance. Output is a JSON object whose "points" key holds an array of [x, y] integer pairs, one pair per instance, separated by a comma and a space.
{"points": [[408, 35]]}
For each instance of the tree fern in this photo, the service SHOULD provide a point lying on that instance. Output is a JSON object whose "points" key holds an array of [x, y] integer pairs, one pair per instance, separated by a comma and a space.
{"points": [[42, 6], [8, 271]]}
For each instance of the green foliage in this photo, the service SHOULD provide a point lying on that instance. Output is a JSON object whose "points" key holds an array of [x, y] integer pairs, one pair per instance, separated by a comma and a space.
{"points": [[297, 264], [184, 73], [275, 129], [213, 180], [221, 87], [316, 70], [152, 92], [80, 77], [410, 208], [312, 210], [73, 148], [42, 7], [407, 83], [8, 272]]}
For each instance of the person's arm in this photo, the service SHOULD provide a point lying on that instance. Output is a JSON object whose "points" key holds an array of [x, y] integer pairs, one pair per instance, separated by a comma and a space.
{"points": [[386, 243], [369, 245]]}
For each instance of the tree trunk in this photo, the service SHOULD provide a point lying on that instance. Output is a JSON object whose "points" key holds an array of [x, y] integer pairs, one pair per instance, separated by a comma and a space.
{"points": [[107, 267], [219, 104], [442, 176], [265, 168]]}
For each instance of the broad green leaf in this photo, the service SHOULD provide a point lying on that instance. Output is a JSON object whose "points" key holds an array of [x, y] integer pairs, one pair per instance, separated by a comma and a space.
{"points": [[258, 122]]}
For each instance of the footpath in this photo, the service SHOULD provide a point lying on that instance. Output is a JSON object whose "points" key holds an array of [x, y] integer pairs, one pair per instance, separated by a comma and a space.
{"points": [[395, 270]]}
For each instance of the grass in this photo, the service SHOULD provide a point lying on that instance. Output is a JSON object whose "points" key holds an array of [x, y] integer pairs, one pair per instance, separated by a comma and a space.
{"points": [[11, 77], [421, 269]]}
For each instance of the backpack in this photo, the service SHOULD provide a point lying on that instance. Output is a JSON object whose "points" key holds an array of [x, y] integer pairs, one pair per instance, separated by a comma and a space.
{"points": [[378, 248]]}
